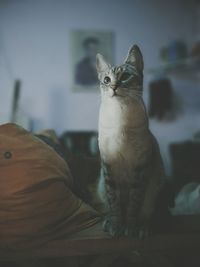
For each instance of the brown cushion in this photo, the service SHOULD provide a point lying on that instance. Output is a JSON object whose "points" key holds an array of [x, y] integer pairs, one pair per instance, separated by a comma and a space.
{"points": [[36, 202]]}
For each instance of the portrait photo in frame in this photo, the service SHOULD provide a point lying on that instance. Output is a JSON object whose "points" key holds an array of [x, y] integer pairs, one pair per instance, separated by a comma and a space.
{"points": [[85, 44]]}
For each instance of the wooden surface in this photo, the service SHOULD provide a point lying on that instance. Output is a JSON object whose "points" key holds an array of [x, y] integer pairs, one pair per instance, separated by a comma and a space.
{"points": [[183, 236]]}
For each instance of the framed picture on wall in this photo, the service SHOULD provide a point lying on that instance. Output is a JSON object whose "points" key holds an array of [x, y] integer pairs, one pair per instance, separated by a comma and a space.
{"points": [[84, 46]]}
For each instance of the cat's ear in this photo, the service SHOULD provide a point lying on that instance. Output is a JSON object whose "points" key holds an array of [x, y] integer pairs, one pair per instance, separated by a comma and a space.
{"points": [[135, 58], [101, 64]]}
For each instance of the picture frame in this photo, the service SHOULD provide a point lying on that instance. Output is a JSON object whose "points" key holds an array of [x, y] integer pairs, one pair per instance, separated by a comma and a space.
{"points": [[85, 44]]}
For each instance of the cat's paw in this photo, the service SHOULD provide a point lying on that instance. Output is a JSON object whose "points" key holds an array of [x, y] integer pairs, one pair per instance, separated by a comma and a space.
{"points": [[143, 232], [137, 232], [131, 231], [112, 227]]}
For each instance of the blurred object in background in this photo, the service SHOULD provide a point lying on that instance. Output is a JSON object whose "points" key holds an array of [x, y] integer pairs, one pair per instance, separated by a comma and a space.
{"points": [[50, 134], [162, 100], [175, 51], [195, 53], [15, 104], [81, 142], [179, 61], [187, 201], [185, 159], [82, 155], [196, 50], [197, 136], [16, 114]]}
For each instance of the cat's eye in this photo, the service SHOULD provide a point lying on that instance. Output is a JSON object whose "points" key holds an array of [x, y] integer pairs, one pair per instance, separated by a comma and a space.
{"points": [[107, 80], [125, 76]]}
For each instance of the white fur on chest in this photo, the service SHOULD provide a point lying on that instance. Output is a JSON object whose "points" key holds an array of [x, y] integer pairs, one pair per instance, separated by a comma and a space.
{"points": [[112, 128]]}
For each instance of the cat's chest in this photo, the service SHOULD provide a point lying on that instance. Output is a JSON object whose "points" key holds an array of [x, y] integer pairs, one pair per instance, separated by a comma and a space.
{"points": [[115, 137], [114, 115], [111, 142]]}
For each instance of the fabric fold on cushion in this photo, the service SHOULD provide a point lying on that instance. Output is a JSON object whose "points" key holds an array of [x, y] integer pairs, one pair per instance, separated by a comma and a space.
{"points": [[37, 204]]}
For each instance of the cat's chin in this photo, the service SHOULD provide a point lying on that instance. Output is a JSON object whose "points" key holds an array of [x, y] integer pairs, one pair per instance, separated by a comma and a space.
{"points": [[110, 93], [113, 95]]}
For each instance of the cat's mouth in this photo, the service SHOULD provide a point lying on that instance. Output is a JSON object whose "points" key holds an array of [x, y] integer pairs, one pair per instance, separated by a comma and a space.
{"points": [[115, 93]]}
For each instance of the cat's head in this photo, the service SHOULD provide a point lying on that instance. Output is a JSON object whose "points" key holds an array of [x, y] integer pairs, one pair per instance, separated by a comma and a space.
{"points": [[125, 80]]}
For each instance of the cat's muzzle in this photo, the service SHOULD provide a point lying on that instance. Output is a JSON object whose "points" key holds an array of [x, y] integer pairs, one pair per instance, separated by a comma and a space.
{"points": [[114, 88]]}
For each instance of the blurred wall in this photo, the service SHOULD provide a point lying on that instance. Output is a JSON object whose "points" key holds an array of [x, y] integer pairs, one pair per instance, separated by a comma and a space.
{"points": [[198, 21], [34, 37]]}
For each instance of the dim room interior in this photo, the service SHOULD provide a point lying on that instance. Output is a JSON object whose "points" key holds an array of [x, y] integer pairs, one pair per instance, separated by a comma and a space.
{"points": [[49, 86]]}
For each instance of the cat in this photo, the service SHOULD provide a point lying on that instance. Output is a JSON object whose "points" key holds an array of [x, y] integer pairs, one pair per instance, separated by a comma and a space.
{"points": [[132, 170], [187, 200]]}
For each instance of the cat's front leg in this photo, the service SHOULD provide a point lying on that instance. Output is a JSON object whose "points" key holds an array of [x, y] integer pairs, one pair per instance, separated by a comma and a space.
{"points": [[113, 221], [109, 193], [136, 198]]}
